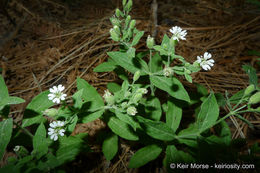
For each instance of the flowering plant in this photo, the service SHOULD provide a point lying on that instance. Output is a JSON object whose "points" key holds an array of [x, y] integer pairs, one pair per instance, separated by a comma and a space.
{"points": [[133, 110]]}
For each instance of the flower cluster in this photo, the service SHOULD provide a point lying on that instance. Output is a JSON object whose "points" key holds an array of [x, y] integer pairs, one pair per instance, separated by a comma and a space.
{"points": [[205, 61], [56, 129], [178, 33], [56, 94]]}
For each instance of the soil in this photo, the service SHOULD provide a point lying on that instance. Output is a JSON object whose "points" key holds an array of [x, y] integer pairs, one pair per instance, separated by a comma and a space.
{"points": [[51, 42]]}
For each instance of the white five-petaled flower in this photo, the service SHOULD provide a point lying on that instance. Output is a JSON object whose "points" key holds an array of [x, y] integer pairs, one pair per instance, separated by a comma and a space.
{"points": [[178, 33], [56, 128], [56, 94], [205, 61]]}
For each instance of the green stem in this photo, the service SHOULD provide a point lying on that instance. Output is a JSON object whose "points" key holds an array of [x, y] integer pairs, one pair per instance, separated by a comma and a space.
{"points": [[150, 61]]}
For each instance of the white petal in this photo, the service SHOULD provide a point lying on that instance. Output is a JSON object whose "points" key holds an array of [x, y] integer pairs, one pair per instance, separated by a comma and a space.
{"points": [[61, 88], [51, 96], [51, 90], [56, 100], [55, 137]]}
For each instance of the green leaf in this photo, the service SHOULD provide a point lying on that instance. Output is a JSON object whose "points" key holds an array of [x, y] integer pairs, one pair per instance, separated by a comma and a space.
{"points": [[110, 146], [188, 77], [237, 97], [153, 108], [130, 64], [137, 37], [34, 110], [126, 118], [156, 129], [220, 99], [145, 155], [161, 50], [122, 129], [155, 63], [72, 124], [203, 91], [6, 128], [90, 95], [113, 87], [251, 73], [105, 67], [40, 146], [69, 148], [77, 97], [176, 156], [208, 114], [172, 86], [11, 101], [189, 135], [3, 90], [173, 115]]}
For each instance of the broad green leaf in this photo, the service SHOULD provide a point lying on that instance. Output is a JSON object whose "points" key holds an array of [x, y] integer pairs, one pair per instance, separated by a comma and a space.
{"points": [[69, 148], [155, 63], [161, 50], [251, 73], [130, 64], [6, 128], [188, 77], [88, 116], [90, 95], [220, 99], [3, 90], [165, 40], [145, 155], [34, 110], [122, 129], [173, 115], [156, 129], [11, 101], [40, 146], [153, 108], [77, 97], [50, 163], [126, 118], [110, 146], [105, 67], [137, 38], [113, 87], [172, 86], [208, 114]]}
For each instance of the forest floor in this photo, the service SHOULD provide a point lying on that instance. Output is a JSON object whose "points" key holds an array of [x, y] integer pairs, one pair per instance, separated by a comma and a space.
{"points": [[54, 42]]}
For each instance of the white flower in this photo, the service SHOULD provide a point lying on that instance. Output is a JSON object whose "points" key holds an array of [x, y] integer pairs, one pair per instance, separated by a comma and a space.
{"points": [[178, 33], [56, 94], [56, 128], [167, 71], [131, 110], [205, 62], [142, 90]]}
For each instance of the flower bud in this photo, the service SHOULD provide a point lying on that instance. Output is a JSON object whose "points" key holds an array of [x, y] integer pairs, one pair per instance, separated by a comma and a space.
{"points": [[254, 98], [21, 151], [137, 97], [109, 98], [142, 90], [150, 42], [127, 20], [116, 29], [114, 21], [127, 94], [114, 35], [167, 71], [249, 90], [132, 24], [129, 5], [136, 75], [131, 110], [52, 112], [118, 12], [124, 105]]}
